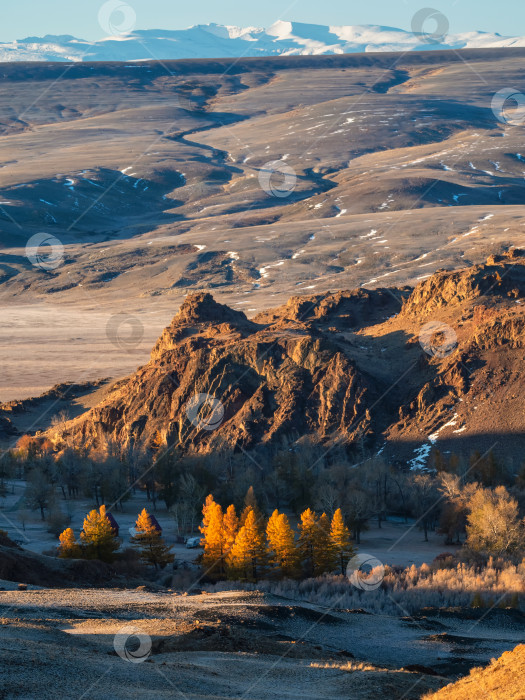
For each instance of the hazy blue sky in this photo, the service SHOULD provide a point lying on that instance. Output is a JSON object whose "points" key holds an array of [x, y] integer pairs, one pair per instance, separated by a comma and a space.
{"points": [[21, 18]]}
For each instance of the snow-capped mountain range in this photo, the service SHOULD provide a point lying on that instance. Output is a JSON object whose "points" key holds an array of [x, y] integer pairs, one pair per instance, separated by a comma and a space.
{"points": [[219, 41]]}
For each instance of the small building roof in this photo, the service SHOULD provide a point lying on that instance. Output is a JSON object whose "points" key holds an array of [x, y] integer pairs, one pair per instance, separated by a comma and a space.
{"points": [[112, 521], [155, 523]]}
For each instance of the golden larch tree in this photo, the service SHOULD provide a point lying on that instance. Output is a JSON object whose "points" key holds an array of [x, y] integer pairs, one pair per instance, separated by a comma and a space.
{"points": [[248, 554], [69, 547], [282, 550], [324, 555], [250, 503], [230, 524], [148, 539], [98, 536], [306, 543], [213, 532], [341, 541], [206, 511]]}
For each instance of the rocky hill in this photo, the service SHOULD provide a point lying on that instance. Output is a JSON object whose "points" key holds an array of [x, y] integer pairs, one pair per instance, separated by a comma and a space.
{"points": [[394, 369], [272, 381]]}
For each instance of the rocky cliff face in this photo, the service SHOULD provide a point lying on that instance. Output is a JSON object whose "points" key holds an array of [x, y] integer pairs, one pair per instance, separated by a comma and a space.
{"points": [[271, 381], [501, 276], [475, 392], [359, 367], [345, 310]]}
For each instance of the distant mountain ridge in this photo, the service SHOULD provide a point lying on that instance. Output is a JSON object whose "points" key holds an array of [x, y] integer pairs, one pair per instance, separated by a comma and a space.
{"points": [[224, 41]]}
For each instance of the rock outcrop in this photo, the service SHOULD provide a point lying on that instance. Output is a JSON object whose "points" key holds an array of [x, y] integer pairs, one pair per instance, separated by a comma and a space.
{"points": [[499, 277], [349, 367], [269, 381]]}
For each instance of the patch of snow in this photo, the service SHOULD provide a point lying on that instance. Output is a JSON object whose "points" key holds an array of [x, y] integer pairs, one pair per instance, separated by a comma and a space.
{"points": [[435, 435], [421, 455], [423, 451], [386, 204], [263, 270]]}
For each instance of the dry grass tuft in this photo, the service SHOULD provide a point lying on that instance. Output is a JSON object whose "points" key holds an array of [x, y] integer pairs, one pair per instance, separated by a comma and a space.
{"points": [[347, 666]]}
